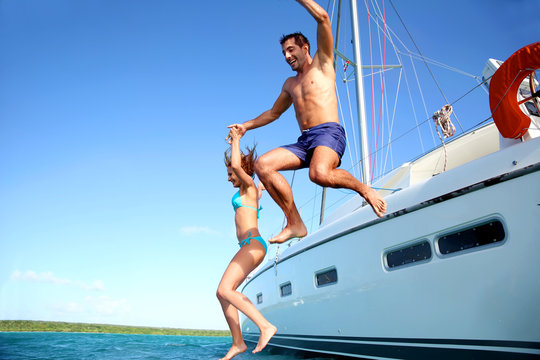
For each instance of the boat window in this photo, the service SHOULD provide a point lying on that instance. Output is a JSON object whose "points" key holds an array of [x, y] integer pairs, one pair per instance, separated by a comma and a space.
{"points": [[286, 289], [259, 298], [326, 277], [472, 237], [413, 253]]}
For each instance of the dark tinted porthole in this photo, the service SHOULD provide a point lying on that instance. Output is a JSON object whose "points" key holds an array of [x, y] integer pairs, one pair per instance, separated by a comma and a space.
{"points": [[259, 298], [410, 254], [328, 277], [286, 289], [472, 237]]}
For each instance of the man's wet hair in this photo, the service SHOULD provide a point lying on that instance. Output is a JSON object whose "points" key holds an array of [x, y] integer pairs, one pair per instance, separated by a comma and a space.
{"points": [[299, 39]]}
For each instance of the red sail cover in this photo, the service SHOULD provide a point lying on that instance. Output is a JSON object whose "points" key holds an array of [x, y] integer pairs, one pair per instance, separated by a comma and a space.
{"points": [[510, 120]]}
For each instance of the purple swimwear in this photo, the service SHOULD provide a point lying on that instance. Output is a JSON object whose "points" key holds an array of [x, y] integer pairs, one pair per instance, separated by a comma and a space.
{"points": [[329, 134]]}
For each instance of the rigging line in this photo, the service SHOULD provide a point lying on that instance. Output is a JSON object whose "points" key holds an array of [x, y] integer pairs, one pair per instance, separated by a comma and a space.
{"points": [[401, 72], [484, 87], [507, 89], [390, 36], [427, 66], [313, 211], [355, 139], [416, 46], [437, 63], [352, 122], [382, 91], [340, 107], [422, 98], [338, 28], [390, 121], [412, 129], [470, 91], [409, 131], [375, 134], [420, 124], [372, 84], [340, 199], [414, 112], [383, 98], [429, 119], [345, 128], [388, 28], [333, 8], [391, 124], [285, 217], [379, 72], [345, 81]]}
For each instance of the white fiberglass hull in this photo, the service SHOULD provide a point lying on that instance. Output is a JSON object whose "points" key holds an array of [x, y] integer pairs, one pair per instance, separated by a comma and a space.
{"points": [[482, 301]]}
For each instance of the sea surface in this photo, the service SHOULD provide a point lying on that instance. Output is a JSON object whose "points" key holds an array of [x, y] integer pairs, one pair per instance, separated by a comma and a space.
{"points": [[77, 346]]}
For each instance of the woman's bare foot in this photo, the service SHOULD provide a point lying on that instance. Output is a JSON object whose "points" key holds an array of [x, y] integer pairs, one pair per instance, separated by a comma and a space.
{"points": [[376, 201], [264, 338], [288, 233], [235, 350]]}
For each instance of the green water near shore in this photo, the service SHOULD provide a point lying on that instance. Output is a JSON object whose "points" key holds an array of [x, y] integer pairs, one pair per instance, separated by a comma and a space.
{"points": [[52, 326]]}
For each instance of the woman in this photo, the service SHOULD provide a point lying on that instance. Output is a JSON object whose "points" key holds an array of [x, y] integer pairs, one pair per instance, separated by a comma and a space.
{"points": [[240, 169]]}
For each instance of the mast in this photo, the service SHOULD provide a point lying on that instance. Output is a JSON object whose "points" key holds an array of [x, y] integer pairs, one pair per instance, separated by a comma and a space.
{"points": [[364, 151], [361, 107]]}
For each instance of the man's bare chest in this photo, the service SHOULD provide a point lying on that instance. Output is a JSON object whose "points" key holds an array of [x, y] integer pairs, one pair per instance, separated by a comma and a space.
{"points": [[308, 86]]}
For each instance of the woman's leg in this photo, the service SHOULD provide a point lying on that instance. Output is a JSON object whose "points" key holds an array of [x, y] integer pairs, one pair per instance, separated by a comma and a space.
{"points": [[231, 315], [245, 260]]}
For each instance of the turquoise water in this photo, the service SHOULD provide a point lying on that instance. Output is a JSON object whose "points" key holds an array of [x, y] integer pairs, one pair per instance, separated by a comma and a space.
{"points": [[64, 346]]}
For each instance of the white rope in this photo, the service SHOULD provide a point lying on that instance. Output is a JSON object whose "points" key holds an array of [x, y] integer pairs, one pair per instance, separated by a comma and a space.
{"points": [[442, 120]]}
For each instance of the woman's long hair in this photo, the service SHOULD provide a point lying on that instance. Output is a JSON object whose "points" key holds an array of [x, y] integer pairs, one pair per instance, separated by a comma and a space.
{"points": [[247, 160]]}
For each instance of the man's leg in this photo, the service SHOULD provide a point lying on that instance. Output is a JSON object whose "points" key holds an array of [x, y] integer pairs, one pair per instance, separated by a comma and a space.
{"points": [[324, 172], [267, 167]]}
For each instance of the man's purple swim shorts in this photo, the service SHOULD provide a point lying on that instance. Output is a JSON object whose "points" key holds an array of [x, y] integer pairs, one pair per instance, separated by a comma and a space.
{"points": [[329, 134]]}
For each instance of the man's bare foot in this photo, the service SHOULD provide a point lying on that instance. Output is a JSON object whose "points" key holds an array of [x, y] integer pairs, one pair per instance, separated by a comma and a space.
{"points": [[235, 350], [376, 201], [264, 338], [288, 233]]}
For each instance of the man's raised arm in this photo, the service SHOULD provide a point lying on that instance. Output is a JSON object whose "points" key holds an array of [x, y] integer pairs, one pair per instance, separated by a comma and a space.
{"points": [[325, 41]]}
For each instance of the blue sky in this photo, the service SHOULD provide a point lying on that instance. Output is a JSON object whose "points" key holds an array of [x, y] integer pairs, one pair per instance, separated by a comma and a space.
{"points": [[114, 202]]}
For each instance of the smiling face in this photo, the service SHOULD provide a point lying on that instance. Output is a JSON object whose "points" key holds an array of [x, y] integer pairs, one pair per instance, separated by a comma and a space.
{"points": [[233, 178], [295, 55]]}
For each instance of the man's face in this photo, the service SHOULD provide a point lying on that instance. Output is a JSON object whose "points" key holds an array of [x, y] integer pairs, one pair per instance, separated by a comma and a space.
{"points": [[294, 54]]}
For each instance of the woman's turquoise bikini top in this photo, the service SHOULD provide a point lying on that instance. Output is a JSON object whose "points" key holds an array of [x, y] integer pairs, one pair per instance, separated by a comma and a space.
{"points": [[237, 202]]}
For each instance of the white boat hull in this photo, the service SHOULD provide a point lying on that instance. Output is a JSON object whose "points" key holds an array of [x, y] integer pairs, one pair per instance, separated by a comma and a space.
{"points": [[479, 302]]}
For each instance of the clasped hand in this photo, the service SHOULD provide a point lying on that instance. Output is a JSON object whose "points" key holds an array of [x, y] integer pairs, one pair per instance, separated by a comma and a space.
{"points": [[235, 133]]}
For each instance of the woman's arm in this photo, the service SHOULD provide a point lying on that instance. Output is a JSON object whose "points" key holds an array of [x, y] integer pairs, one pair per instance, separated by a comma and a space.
{"points": [[236, 158]]}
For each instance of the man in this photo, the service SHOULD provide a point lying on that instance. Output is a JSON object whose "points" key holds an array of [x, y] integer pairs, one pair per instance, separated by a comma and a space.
{"points": [[322, 143]]}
